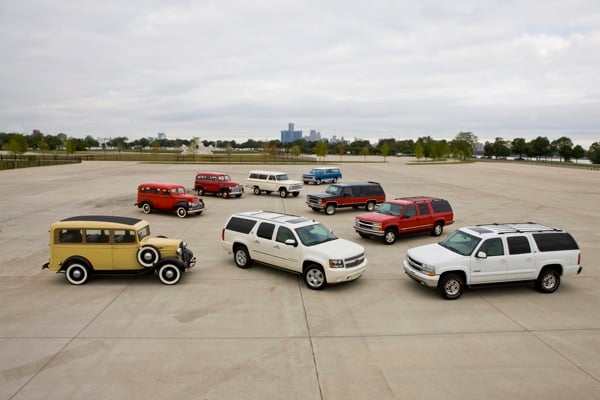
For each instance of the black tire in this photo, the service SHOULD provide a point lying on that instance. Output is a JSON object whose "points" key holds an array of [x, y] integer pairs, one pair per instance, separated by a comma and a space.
{"points": [[225, 195], [390, 236], [334, 180], [181, 212], [237, 196], [370, 206], [76, 273], [242, 257], [147, 256], [315, 209], [330, 209], [257, 191], [318, 181], [169, 274], [200, 191], [283, 193], [451, 286], [364, 235], [296, 194], [438, 229], [314, 277], [548, 280], [146, 208]]}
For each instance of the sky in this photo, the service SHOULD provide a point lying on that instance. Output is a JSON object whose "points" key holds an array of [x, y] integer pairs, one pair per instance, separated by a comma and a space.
{"points": [[229, 69]]}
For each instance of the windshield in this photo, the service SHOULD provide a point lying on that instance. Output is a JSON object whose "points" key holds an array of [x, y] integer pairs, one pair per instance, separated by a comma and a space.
{"points": [[282, 177], [389, 209], [145, 231], [333, 190], [314, 234], [460, 242]]}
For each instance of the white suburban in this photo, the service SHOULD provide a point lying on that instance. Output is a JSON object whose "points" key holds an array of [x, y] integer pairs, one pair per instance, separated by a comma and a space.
{"points": [[495, 254], [273, 181], [295, 244]]}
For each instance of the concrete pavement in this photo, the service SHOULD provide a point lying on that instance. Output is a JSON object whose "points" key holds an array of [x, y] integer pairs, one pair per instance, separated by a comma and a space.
{"points": [[228, 333]]}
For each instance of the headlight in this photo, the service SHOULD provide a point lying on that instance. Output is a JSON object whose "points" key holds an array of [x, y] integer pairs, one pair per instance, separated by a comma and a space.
{"points": [[179, 251], [336, 263], [428, 269], [379, 227]]}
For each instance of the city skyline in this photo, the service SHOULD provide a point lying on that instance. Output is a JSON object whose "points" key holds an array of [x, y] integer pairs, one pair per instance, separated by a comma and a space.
{"points": [[235, 70]]}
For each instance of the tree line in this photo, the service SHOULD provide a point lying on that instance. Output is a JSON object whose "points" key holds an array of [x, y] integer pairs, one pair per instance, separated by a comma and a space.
{"points": [[463, 146]]}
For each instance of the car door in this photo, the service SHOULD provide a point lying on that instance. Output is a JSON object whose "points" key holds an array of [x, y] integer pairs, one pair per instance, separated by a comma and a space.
{"points": [[408, 220], [286, 255], [521, 260], [425, 217], [124, 250], [488, 263], [263, 245]]}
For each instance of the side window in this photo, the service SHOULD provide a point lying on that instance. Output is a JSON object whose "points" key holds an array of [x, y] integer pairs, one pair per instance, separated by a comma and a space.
{"points": [[409, 211], [423, 209], [347, 191], [518, 245], [70, 236], [124, 236], [241, 225], [492, 247], [96, 235], [283, 234], [271, 177], [265, 230]]}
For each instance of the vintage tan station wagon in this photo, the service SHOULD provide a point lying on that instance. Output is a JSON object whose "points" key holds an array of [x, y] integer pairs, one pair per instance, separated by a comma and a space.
{"points": [[88, 245]]}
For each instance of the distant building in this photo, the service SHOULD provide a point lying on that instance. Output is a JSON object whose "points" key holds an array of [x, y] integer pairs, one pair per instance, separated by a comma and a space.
{"points": [[290, 134], [314, 136], [161, 136]]}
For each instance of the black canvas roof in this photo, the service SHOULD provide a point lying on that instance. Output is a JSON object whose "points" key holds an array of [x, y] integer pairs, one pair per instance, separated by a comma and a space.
{"points": [[104, 218]]}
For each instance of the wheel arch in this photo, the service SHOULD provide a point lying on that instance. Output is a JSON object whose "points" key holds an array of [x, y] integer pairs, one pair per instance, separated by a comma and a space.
{"points": [[170, 260], [463, 274], [555, 266], [78, 259]]}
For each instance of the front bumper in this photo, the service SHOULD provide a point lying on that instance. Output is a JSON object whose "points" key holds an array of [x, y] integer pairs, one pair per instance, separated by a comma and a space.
{"points": [[430, 281], [371, 232]]}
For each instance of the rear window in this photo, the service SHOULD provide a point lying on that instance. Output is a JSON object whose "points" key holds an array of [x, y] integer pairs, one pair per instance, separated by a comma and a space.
{"points": [[441, 206], [555, 241], [241, 225]]}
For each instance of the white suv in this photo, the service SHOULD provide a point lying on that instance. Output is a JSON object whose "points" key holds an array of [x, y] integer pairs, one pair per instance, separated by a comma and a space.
{"points": [[293, 243], [273, 181], [495, 254]]}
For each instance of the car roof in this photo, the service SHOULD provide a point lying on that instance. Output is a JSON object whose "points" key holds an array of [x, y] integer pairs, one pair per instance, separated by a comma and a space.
{"points": [[105, 221], [212, 173], [257, 171], [272, 216], [345, 184], [413, 199], [166, 185], [522, 227]]}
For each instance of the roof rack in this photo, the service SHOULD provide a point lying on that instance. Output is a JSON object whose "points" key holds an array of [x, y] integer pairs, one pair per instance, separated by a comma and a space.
{"points": [[519, 227]]}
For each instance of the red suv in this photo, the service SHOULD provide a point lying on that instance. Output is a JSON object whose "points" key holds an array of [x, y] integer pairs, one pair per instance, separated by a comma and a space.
{"points": [[405, 215], [218, 183], [168, 197]]}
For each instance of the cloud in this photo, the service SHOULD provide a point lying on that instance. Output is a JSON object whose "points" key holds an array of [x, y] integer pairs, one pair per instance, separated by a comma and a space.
{"points": [[245, 69]]}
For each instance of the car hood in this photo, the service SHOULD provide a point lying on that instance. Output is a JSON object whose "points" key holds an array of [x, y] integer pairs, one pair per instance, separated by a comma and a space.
{"points": [[338, 249], [376, 217], [434, 254], [161, 242], [290, 182], [188, 197], [321, 195]]}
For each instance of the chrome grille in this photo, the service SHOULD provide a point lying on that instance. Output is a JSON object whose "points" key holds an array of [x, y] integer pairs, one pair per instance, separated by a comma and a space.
{"points": [[354, 261]]}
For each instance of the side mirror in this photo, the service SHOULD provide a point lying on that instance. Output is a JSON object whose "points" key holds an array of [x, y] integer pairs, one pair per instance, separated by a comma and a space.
{"points": [[291, 242], [481, 254]]}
